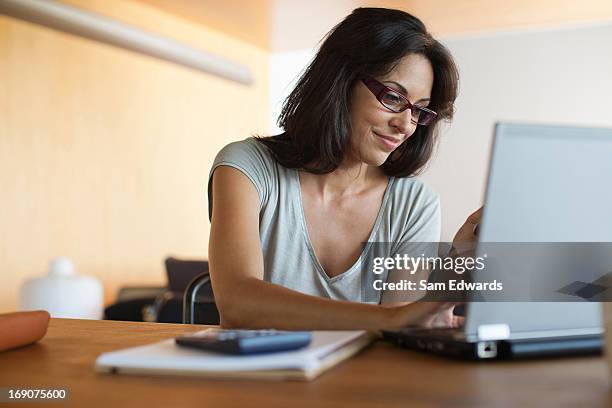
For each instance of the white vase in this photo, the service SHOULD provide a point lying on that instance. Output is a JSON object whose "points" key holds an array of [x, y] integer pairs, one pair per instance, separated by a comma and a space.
{"points": [[63, 293]]}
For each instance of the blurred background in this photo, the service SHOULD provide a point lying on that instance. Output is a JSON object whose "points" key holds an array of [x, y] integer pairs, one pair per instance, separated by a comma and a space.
{"points": [[105, 152]]}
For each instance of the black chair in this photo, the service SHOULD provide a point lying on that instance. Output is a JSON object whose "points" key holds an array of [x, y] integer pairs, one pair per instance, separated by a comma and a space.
{"points": [[158, 304], [199, 302]]}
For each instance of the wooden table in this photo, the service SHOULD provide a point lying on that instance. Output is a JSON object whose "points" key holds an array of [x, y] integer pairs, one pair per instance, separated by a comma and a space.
{"points": [[380, 376]]}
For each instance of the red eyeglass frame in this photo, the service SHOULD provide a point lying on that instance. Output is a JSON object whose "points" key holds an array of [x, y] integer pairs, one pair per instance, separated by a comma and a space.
{"points": [[379, 90]]}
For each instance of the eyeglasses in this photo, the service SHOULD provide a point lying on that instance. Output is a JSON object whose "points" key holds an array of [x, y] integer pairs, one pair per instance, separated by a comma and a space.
{"points": [[396, 102]]}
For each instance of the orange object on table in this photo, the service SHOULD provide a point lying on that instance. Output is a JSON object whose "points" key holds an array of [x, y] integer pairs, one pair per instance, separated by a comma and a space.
{"points": [[22, 328]]}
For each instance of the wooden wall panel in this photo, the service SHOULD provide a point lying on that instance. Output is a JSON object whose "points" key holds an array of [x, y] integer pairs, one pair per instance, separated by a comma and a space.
{"points": [[104, 153]]}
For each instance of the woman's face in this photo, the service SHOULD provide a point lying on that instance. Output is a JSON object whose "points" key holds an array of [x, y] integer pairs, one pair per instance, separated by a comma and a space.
{"points": [[377, 131]]}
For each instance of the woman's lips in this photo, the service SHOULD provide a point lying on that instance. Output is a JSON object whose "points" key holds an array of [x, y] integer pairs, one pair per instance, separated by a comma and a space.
{"points": [[390, 143]]}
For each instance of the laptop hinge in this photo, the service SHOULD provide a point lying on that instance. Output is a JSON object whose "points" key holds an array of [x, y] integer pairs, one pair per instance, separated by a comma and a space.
{"points": [[498, 331]]}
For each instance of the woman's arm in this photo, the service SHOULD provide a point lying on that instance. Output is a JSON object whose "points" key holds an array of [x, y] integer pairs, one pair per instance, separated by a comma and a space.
{"points": [[245, 300]]}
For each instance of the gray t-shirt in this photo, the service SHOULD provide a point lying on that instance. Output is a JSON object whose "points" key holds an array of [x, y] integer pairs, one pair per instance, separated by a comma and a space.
{"points": [[410, 212]]}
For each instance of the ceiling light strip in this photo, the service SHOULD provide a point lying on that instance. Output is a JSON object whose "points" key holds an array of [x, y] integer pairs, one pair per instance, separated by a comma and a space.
{"points": [[103, 29]]}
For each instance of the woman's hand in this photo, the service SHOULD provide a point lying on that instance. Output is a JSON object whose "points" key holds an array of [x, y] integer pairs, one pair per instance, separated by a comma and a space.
{"points": [[440, 314], [428, 315], [443, 318], [467, 236]]}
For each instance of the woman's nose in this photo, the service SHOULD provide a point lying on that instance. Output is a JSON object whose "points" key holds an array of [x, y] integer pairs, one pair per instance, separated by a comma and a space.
{"points": [[402, 121]]}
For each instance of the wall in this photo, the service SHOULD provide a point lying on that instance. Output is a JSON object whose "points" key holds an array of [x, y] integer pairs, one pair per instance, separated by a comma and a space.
{"points": [[558, 75], [104, 153], [285, 69]]}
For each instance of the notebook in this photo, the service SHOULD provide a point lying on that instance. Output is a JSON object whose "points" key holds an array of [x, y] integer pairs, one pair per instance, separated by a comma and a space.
{"points": [[326, 349]]}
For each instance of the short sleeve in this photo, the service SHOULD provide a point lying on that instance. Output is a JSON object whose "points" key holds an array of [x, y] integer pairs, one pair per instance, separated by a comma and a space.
{"points": [[251, 158], [418, 218], [420, 236], [426, 224]]}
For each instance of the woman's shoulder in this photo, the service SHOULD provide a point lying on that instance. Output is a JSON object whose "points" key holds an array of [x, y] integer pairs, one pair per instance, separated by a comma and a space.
{"points": [[412, 189], [415, 211], [249, 148], [254, 160]]}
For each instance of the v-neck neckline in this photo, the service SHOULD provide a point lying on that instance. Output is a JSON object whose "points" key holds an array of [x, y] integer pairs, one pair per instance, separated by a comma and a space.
{"points": [[306, 235]]}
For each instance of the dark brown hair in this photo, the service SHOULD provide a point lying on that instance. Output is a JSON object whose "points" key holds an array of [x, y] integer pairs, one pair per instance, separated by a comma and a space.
{"points": [[369, 42]]}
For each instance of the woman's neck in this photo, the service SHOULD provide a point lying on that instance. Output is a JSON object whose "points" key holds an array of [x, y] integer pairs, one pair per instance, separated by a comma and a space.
{"points": [[349, 179]]}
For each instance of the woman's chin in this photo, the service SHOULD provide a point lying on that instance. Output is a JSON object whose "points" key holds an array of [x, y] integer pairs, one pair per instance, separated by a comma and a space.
{"points": [[377, 159]]}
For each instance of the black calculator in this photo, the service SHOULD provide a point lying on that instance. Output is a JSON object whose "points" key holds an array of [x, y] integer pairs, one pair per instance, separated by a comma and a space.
{"points": [[246, 341]]}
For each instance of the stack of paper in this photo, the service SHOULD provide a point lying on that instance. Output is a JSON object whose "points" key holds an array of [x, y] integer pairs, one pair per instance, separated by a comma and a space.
{"points": [[326, 349]]}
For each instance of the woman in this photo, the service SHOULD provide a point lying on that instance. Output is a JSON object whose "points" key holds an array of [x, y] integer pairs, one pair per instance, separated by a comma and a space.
{"points": [[289, 213]]}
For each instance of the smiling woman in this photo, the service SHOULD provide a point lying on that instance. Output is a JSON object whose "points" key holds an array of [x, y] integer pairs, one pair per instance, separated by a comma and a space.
{"points": [[290, 213], [370, 44]]}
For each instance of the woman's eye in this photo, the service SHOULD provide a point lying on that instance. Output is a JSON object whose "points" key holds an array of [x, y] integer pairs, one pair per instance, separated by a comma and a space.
{"points": [[392, 98]]}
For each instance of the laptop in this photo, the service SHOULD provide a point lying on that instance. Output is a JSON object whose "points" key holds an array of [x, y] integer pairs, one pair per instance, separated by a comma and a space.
{"points": [[546, 184]]}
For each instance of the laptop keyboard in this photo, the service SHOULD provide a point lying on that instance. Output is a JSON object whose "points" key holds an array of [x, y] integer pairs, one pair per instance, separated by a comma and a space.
{"points": [[442, 332]]}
